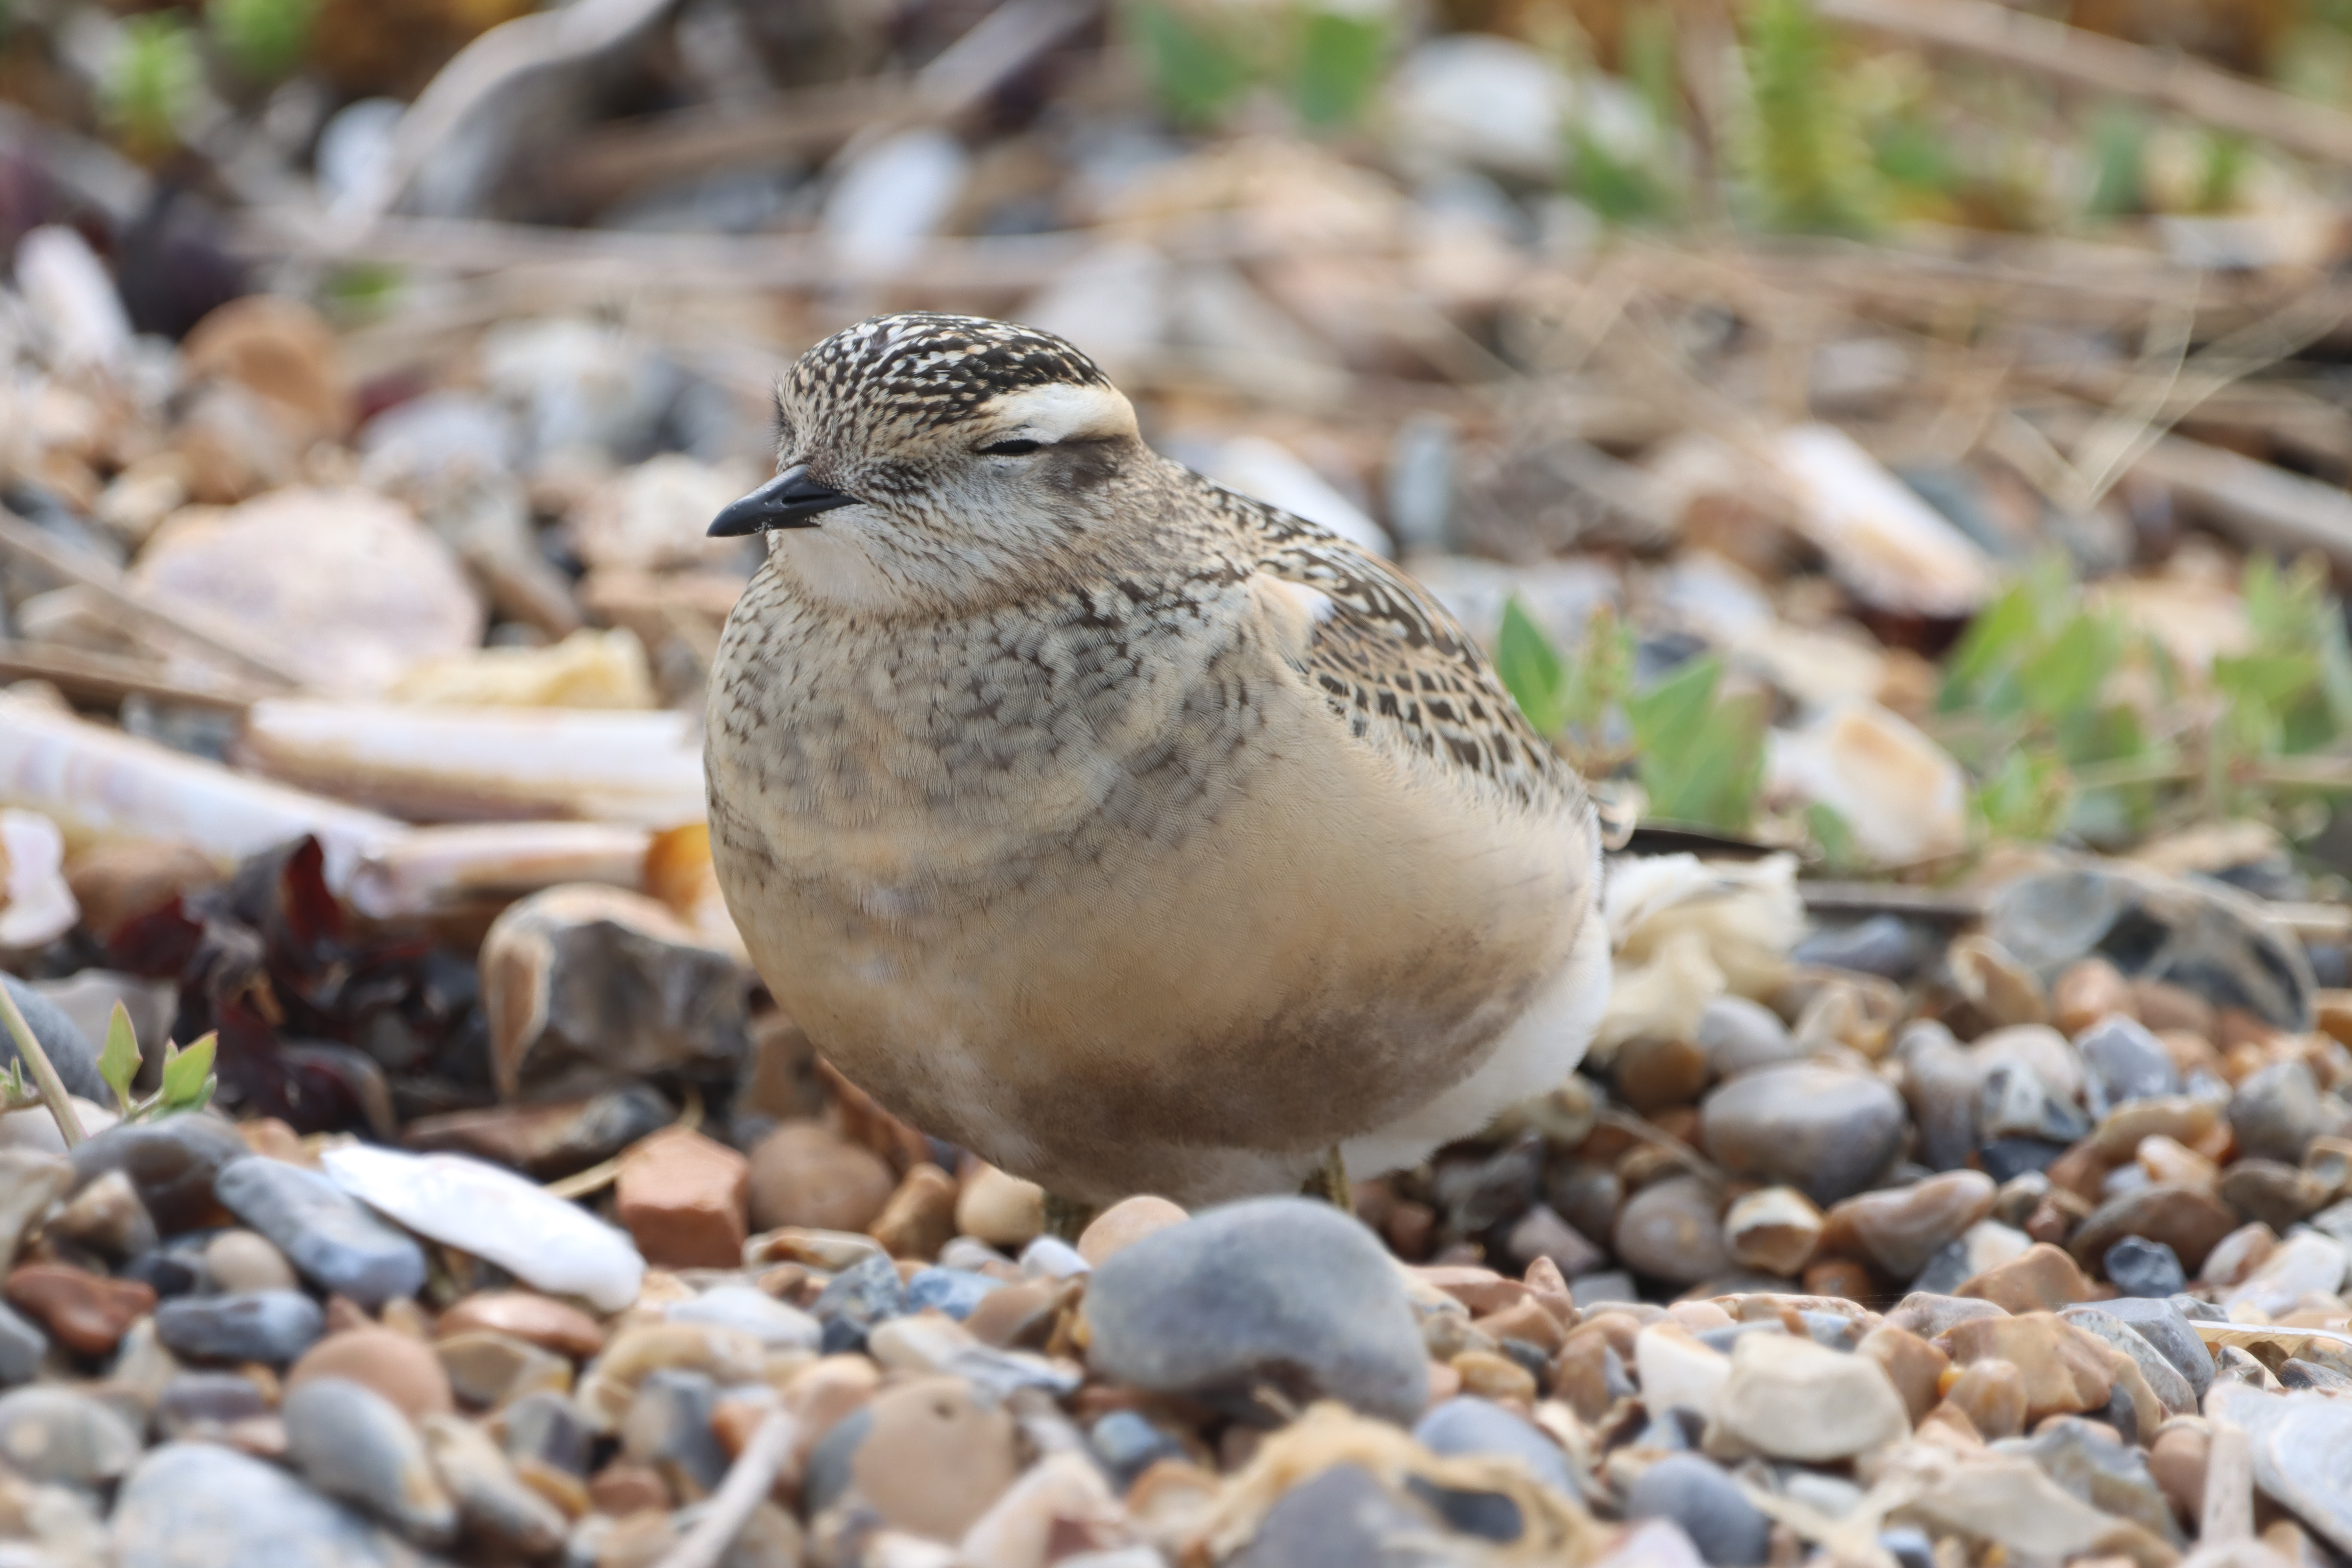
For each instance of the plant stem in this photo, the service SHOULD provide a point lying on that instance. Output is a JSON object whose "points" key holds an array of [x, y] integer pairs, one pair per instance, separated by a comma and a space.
{"points": [[53, 1090]]}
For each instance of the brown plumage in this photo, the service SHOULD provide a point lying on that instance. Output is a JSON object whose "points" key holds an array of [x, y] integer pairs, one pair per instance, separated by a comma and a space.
{"points": [[1134, 834]]}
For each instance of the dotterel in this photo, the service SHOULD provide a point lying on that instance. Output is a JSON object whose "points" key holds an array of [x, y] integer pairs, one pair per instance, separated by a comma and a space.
{"points": [[1136, 835]]}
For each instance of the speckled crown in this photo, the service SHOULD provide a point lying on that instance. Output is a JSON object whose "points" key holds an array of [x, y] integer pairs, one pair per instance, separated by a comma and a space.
{"points": [[930, 370]]}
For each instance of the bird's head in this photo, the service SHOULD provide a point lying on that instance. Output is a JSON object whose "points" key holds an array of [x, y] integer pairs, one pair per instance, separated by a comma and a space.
{"points": [[924, 458]]}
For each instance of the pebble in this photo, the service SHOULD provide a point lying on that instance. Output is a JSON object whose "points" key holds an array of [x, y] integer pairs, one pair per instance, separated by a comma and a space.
{"points": [[1679, 1371], [1881, 945], [1792, 1399], [546, 1142], [2089, 1460], [1708, 1505], [401, 1370], [2124, 1062], [84, 1312], [50, 1433], [1466, 1424], [999, 1208], [1542, 1233], [2162, 1324], [351, 1443], [2013, 1101], [1901, 1228], [494, 1214], [238, 1259], [1991, 1392], [932, 1458], [2278, 1110], [1652, 1072], [2304, 1263], [30, 1183], [327, 1236], [2063, 1372], [919, 1218], [2043, 1279], [1344, 1518], [803, 1175], [486, 1370], [683, 1198], [2189, 1220], [667, 1427], [494, 1506], [1824, 1130], [856, 1299], [1280, 1289], [345, 582], [2138, 1266], [1673, 1230], [172, 1163], [106, 1218], [544, 1429], [2086, 992], [269, 1326], [2238, 1254], [60, 1039], [198, 1505], [2304, 1461], [958, 1292], [22, 1346], [198, 1403], [755, 1312], [2164, 1379], [1124, 1224], [1051, 1257], [536, 1320], [1738, 1036]]}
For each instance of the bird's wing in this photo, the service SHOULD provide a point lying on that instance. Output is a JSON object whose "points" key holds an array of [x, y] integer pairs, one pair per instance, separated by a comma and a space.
{"points": [[1394, 666]]}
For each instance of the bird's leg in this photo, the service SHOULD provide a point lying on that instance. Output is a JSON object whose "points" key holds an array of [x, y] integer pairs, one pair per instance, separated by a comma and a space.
{"points": [[1329, 1182], [1067, 1217]]}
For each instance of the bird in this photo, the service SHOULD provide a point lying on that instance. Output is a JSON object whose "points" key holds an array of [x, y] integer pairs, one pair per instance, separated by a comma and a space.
{"points": [[1133, 835]]}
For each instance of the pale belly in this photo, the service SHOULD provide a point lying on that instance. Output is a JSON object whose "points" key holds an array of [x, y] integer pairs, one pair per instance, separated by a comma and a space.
{"points": [[1192, 977]]}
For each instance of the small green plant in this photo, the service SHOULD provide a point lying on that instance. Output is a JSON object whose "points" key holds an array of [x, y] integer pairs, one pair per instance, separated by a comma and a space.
{"points": [[1698, 750], [1326, 58], [1805, 157], [2119, 159], [187, 1081], [149, 86], [263, 41]]}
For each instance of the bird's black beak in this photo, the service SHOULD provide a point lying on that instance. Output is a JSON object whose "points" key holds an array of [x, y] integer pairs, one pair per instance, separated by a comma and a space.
{"points": [[790, 499]]}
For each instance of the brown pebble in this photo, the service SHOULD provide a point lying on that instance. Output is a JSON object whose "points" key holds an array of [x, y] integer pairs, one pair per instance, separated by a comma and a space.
{"points": [[1839, 1277], [1528, 1321], [1550, 1288], [1410, 1229], [934, 1457], [1653, 1073], [823, 1391], [806, 1174], [1916, 1367], [1019, 1315], [404, 1370], [2163, 1005], [1901, 1228], [1580, 1374], [1444, 1383], [526, 1315], [2065, 1371], [682, 1197], [88, 1312], [1497, 1377], [625, 1487], [2081, 1170], [919, 1218], [2042, 1279], [2179, 1463], [1483, 1290], [999, 1208], [488, 1370], [1126, 1222], [1990, 1394], [2087, 990]]}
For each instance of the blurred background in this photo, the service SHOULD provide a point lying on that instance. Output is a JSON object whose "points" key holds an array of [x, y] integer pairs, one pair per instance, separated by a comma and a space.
{"points": [[1894, 430]]}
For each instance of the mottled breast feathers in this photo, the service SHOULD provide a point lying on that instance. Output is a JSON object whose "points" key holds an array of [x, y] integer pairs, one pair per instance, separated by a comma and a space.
{"points": [[1394, 668]]}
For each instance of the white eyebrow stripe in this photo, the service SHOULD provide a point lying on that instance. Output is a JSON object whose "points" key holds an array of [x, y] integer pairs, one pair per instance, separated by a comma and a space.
{"points": [[1060, 411]]}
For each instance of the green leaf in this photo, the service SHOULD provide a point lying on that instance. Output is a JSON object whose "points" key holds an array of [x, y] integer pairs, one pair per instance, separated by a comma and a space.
{"points": [[1340, 61], [2119, 152], [151, 82], [1701, 759], [264, 40], [1195, 74], [118, 1064], [188, 1076], [1531, 669]]}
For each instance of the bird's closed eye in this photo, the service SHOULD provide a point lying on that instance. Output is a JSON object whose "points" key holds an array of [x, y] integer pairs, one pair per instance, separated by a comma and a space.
{"points": [[1011, 449]]}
